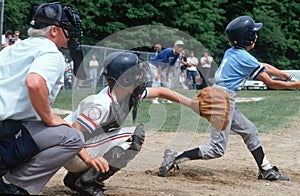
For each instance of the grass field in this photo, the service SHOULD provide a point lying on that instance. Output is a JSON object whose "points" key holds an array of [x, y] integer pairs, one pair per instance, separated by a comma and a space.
{"points": [[275, 111]]}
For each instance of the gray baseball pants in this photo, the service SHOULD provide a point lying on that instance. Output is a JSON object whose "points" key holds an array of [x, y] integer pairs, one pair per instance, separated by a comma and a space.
{"points": [[237, 123], [57, 145]]}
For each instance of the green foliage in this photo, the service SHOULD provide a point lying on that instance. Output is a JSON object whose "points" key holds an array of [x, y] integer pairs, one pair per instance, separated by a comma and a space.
{"points": [[278, 42]]}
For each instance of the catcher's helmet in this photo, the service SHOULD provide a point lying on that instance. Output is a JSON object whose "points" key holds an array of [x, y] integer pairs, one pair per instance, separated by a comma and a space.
{"points": [[125, 68], [242, 31]]}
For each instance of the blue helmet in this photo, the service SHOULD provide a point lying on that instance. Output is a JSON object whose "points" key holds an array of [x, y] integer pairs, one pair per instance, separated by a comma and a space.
{"points": [[125, 68], [242, 31]]}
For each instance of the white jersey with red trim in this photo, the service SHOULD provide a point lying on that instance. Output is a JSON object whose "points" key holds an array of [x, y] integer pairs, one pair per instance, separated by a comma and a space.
{"points": [[97, 111]]}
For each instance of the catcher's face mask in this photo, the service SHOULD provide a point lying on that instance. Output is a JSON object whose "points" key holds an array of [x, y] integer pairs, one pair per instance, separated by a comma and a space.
{"points": [[135, 76], [126, 69]]}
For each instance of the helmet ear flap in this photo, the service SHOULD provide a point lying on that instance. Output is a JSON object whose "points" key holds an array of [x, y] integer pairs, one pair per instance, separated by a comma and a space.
{"points": [[242, 31], [250, 39]]}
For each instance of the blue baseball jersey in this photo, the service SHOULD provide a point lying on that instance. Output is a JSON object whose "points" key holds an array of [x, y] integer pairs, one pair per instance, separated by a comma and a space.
{"points": [[236, 66], [165, 57]]}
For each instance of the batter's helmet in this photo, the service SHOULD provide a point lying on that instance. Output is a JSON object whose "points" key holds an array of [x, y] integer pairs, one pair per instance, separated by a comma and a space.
{"points": [[125, 68], [242, 31]]}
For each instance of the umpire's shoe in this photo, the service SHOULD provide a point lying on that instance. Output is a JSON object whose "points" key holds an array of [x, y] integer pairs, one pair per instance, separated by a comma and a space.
{"points": [[168, 163], [271, 174], [10, 189]]}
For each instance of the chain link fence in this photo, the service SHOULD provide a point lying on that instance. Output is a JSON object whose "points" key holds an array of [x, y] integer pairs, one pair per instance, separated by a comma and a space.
{"points": [[101, 53]]}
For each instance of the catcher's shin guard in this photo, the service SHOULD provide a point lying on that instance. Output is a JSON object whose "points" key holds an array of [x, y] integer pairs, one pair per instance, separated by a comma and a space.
{"points": [[138, 138], [117, 157], [91, 181]]}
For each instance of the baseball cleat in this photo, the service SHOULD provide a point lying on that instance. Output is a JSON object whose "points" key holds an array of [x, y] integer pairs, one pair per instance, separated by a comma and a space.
{"points": [[168, 162], [94, 188], [271, 174], [70, 180], [10, 189], [97, 190]]}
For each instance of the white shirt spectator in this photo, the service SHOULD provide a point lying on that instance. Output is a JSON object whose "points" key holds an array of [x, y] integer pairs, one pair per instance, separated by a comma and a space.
{"points": [[206, 60], [194, 61]]}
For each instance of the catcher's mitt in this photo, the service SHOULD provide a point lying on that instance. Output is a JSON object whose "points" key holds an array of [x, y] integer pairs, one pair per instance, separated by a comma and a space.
{"points": [[213, 103]]}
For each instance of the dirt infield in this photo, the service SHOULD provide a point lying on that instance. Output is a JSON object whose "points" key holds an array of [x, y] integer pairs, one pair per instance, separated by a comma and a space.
{"points": [[233, 174]]}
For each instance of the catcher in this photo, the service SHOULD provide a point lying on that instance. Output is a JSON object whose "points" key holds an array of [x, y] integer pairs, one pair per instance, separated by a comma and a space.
{"points": [[237, 65], [108, 147]]}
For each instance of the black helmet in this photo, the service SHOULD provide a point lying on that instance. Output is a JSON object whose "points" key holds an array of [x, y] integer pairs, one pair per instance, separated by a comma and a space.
{"points": [[125, 68], [242, 30], [46, 14], [65, 17]]}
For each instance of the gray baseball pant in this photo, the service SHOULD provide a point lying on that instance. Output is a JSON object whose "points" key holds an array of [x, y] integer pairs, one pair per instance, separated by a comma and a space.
{"points": [[57, 145], [237, 123]]}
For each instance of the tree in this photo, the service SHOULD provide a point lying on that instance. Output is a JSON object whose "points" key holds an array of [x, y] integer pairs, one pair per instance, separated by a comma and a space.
{"points": [[278, 41]]}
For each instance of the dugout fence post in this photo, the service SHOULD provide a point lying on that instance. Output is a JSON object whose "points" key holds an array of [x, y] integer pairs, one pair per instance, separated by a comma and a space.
{"points": [[1, 18]]}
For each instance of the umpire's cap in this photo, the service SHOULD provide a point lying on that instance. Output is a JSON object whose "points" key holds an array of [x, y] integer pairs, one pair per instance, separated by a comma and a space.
{"points": [[242, 30]]}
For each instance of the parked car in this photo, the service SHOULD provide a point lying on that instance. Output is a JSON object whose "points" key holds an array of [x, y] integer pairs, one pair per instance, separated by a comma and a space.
{"points": [[251, 84]]}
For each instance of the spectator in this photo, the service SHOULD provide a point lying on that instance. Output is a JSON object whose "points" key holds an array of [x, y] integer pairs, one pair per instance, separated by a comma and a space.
{"points": [[157, 49], [183, 66], [93, 67], [7, 38], [34, 142], [206, 61], [161, 64], [191, 70], [17, 36]]}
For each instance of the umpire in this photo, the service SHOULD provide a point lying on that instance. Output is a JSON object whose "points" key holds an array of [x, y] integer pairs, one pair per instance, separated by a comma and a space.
{"points": [[34, 142]]}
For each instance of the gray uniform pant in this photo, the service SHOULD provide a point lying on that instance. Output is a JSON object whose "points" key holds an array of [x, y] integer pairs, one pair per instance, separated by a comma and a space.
{"points": [[237, 123], [57, 145], [163, 81]]}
